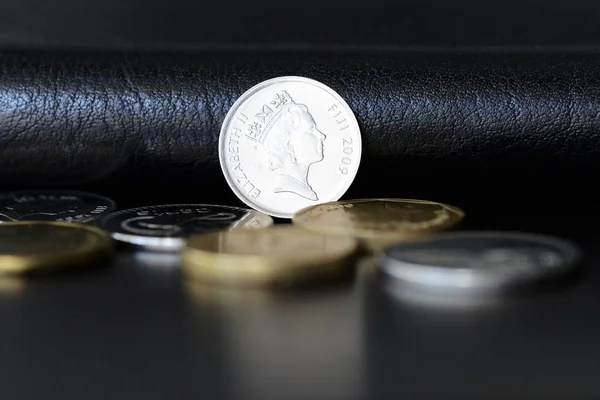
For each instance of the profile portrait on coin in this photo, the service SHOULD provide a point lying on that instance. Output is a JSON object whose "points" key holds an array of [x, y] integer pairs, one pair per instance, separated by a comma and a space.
{"points": [[287, 134]]}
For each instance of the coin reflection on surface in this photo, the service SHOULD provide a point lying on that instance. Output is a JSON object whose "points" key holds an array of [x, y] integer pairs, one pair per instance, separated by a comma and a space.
{"points": [[431, 300], [366, 266], [159, 261], [379, 222], [11, 286], [288, 346], [270, 257]]}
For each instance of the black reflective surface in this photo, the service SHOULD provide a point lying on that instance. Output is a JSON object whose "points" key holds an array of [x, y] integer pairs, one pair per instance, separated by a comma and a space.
{"points": [[137, 330]]}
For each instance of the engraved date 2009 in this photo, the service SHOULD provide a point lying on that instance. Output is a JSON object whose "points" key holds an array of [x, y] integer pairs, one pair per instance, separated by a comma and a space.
{"points": [[347, 142], [347, 150]]}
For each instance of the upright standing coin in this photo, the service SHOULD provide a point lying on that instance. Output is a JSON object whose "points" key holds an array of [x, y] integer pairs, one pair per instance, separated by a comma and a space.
{"points": [[39, 246], [166, 227], [288, 143], [53, 205], [276, 256], [478, 261], [379, 222]]}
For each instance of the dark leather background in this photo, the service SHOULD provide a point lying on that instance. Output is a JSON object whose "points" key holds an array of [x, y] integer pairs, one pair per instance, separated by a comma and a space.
{"points": [[427, 118], [462, 95]]}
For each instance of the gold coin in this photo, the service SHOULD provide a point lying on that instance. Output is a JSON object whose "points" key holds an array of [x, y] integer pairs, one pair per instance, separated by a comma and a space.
{"points": [[36, 246], [274, 256], [379, 222]]}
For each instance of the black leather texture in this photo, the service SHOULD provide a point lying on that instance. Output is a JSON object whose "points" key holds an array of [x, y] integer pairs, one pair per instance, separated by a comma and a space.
{"points": [[427, 118]]}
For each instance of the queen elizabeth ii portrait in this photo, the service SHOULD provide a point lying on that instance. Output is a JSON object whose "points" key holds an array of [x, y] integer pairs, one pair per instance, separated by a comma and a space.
{"points": [[288, 136]]}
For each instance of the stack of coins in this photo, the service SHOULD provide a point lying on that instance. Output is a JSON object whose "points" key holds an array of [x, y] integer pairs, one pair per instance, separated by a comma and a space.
{"points": [[289, 148]]}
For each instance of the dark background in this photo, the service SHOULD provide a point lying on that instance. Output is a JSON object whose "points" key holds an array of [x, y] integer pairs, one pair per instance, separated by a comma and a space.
{"points": [[137, 330], [377, 25]]}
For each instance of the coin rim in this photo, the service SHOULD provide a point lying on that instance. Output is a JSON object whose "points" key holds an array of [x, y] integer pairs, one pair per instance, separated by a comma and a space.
{"points": [[249, 93], [368, 233], [411, 273], [164, 243], [260, 270], [22, 264], [112, 205]]}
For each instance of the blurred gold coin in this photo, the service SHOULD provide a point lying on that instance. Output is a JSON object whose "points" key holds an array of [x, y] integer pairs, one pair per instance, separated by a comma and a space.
{"points": [[274, 256], [37, 246], [379, 222]]}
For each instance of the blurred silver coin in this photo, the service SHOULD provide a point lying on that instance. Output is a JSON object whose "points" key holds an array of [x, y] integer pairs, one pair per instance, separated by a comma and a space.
{"points": [[166, 227], [478, 261], [289, 143], [53, 205]]}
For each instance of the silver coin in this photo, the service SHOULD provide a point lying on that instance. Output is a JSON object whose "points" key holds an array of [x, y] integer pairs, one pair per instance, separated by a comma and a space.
{"points": [[478, 261], [166, 227], [53, 205], [289, 143]]}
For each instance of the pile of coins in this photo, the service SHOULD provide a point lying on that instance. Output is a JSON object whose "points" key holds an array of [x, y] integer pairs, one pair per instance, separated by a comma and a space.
{"points": [[289, 148]]}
